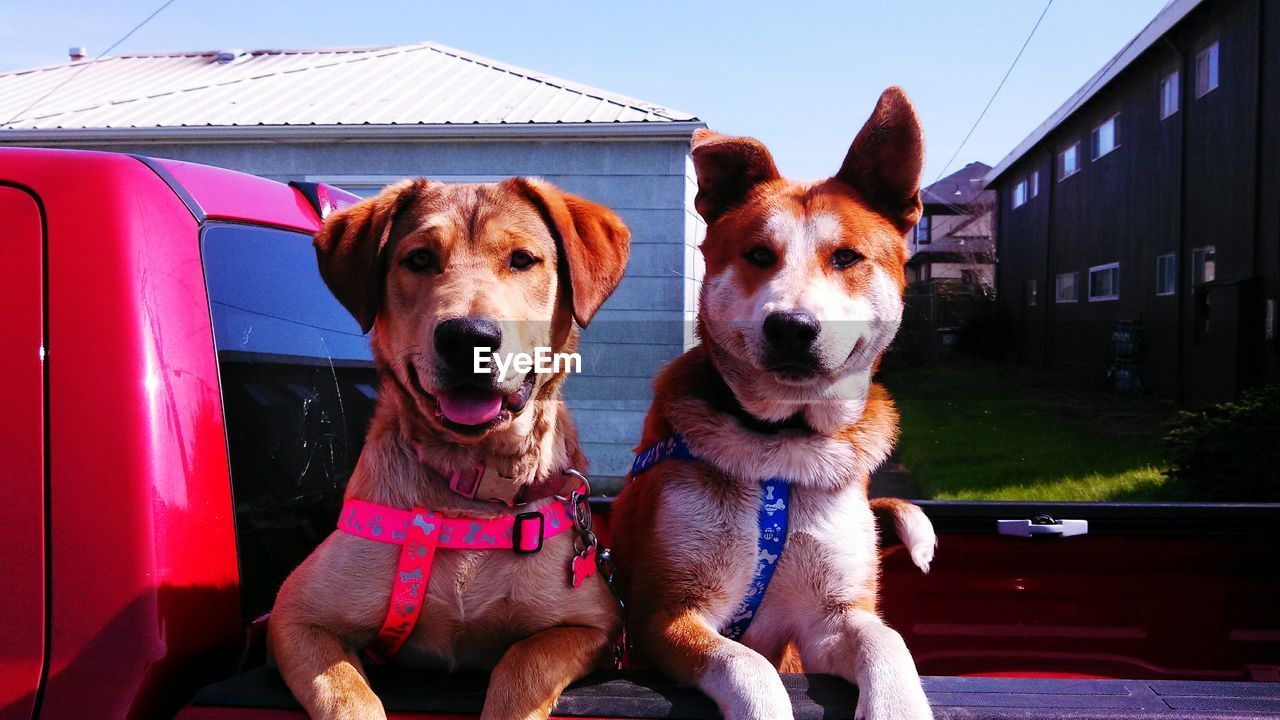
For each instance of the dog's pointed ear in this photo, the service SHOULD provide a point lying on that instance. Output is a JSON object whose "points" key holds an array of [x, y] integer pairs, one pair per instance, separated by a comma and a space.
{"points": [[350, 247], [727, 168], [592, 240], [885, 160]]}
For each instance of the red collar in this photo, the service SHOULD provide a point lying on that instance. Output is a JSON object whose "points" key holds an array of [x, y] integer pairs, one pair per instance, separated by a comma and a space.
{"points": [[483, 483]]}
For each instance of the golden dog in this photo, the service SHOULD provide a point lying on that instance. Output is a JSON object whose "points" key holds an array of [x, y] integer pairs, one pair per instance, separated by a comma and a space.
{"points": [[440, 272], [803, 292]]}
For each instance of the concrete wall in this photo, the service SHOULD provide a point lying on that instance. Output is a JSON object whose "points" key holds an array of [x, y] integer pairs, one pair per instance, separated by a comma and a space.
{"points": [[646, 322]]}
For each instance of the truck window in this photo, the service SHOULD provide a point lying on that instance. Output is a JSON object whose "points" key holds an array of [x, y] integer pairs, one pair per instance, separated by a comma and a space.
{"points": [[298, 388]]}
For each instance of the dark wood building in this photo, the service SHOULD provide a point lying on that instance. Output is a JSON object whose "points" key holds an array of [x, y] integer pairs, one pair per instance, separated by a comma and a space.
{"points": [[1151, 200]]}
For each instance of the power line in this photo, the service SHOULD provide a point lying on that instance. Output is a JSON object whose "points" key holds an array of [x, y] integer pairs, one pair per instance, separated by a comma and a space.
{"points": [[997, 91], [86, 66]]}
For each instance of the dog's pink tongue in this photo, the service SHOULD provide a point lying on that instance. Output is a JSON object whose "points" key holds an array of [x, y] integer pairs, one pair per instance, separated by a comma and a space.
{"points": [[470, 406]]}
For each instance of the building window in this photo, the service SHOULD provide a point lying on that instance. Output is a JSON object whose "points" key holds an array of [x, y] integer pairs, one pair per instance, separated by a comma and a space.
{"points": [[1166, 274], [1069, 161], [1104, 137], [1104, 282], [1026, 188], [1031, 292], [1170, 90], [1203, 265], [924, 229], [1207, 70], [1065, 288]]}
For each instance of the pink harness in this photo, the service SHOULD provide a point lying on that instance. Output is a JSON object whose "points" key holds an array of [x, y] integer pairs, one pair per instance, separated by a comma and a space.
{"points": [[420, 532]]}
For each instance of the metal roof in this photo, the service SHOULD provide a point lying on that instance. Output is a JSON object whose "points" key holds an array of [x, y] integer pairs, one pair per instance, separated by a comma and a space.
{"points": [[1170, 15], [300, 91]]}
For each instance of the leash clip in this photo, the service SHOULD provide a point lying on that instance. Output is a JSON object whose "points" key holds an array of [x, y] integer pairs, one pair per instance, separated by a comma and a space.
{"points": [[580, 513], [465, 483], [581, 478], [585, 543]]}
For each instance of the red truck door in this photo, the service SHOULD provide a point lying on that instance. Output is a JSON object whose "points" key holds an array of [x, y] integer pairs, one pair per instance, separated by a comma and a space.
{"points": [[22, 517]]}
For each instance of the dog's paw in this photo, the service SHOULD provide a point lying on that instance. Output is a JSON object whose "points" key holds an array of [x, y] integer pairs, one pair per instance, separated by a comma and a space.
{"points": [[745, 685], [764, 706], [902, 703], [764, 700]]}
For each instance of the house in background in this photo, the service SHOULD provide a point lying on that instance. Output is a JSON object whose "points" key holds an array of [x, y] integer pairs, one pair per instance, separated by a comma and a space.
{"points": [[1149, 203], [362, 118], [953, 239]]}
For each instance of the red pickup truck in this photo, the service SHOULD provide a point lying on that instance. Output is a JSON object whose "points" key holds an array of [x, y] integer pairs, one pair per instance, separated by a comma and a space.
{"points": [[182, 404]]}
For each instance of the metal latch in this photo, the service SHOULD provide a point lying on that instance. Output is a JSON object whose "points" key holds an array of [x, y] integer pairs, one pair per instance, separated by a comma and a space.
{"points": [[1042, 524]]}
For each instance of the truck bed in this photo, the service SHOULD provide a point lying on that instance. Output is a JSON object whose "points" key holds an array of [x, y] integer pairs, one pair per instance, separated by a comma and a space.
{"points": [[261, 693]]}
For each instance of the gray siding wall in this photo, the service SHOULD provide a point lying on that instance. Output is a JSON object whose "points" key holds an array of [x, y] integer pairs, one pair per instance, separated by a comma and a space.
{"points": [[694, 266], [648, 320]]}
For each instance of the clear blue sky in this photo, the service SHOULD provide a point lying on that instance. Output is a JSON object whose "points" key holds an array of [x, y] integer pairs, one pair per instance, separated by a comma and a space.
{"points": [[799, 76]]}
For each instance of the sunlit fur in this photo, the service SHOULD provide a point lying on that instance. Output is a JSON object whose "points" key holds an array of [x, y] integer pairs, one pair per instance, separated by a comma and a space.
{"points": [[471, 230], [685, 532], [860, 308], [516, 615]]}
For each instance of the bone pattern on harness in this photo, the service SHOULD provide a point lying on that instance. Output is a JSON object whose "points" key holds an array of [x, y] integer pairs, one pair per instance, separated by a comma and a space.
{"points": [[420, 532], [775, 501]]}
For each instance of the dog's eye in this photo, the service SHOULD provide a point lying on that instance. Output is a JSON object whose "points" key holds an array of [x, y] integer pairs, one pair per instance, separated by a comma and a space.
{"points": [[420, 261], [522, 260], [844, 258], [760, 256]]}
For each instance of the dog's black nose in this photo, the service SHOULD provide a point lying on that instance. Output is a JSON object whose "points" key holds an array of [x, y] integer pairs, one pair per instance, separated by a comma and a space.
{"points": [[457, 338], [790, 336]]}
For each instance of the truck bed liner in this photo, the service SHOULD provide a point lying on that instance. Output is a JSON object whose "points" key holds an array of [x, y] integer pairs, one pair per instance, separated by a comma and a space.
{"points": [[814, 697]]}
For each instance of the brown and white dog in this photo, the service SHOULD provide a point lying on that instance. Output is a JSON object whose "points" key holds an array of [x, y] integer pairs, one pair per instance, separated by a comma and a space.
{"points": [[802, 294], [437, 271]]}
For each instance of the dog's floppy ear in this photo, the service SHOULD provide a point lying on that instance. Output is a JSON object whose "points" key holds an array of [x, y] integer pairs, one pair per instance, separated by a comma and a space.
{"points": [[727, 167], [885, 159], [593, 244], [350, 246]]}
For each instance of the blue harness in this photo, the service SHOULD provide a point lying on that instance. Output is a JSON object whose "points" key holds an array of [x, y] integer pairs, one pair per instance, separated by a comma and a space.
{"points": [[772, 519]]}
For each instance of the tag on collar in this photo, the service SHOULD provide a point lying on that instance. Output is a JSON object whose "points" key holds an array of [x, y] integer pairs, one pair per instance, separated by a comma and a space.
{"points": [[483, 483], [480, 482]]}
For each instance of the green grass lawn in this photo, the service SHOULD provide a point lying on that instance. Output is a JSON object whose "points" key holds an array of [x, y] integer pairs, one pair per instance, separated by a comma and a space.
{"points": [[984, 431]]}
